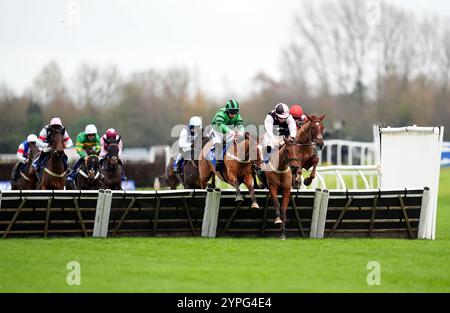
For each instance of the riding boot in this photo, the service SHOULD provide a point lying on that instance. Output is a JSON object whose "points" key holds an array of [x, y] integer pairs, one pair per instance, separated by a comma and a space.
{"points": [[218, 148], [267, 154], [16, 174], [177, 164], [73, 172]]}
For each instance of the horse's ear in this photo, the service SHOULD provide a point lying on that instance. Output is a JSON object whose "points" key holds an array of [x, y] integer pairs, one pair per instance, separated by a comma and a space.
{"points": [[322, 117], [308, 117]]}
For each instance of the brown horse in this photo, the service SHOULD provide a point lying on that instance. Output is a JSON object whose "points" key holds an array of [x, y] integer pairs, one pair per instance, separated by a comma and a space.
{"points": [[237, 170], [112, 168], [23, 181], [54, 172], [189, 176], [170, 179], [279, 173], [310, 137]]}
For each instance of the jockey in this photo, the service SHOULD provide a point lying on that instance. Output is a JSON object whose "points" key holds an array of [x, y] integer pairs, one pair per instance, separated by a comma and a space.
{"points": [[111, 136], [278, 124], [87, 140], [297, 113], [186, 141], [22, 154], [227, 121], [43, 144]]}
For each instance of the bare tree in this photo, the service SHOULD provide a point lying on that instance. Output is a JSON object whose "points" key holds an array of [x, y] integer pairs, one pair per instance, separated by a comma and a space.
{"points": [[334, 39], [95, 87], [49, 85]]}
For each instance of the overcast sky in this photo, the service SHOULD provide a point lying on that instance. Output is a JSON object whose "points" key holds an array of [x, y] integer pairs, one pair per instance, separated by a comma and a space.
{"points": [[226, 42]]}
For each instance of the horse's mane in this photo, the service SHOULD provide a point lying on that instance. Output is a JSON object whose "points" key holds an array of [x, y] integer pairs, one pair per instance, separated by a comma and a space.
{"points": [[301, 132]]}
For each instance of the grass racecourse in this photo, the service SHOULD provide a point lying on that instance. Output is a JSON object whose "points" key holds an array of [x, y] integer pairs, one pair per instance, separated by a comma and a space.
{"points": [[231, 265]]}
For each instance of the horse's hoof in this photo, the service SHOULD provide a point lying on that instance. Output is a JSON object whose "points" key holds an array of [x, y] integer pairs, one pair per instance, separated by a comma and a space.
{"points": [[239, 198], [283, 237], [255, 205], [307, 181], [278, 220]]}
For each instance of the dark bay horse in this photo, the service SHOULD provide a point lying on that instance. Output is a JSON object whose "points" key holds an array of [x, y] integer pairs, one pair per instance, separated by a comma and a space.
{"points": [[170, 179], [310, 137], [112, 168], [189, 176], [23, 181], [278, 172], [89, 176], [238, 166], [54, 172]]}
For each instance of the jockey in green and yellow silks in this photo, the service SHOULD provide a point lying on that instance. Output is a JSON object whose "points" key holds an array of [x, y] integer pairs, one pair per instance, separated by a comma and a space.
{"points": [[87, 141]]}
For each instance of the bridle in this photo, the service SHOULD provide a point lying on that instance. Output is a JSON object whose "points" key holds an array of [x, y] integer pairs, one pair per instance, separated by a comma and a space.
{"points": [[311, 139], [290, 160], [111, 157], [92, 174]]}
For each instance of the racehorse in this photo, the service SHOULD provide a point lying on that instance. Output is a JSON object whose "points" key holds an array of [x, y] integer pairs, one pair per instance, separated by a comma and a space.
{"points": [[89, 176], [237, 170], [310, 137], [170, 179], [278, 172], [189, 176], [23, 180], [54, 172], [112, 168]]}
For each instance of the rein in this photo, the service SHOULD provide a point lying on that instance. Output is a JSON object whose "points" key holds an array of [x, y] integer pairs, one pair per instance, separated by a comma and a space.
{"points": [[234, 157], [288, 160]]}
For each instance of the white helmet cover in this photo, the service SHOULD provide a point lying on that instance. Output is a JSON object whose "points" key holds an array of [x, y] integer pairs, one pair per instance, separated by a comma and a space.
{"points": [[195, 121], [31, 138], [90, 129], [56, 121]]}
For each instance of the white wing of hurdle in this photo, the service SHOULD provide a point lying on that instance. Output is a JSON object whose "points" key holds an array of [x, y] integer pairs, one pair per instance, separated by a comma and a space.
{"points": [[410, 158]]}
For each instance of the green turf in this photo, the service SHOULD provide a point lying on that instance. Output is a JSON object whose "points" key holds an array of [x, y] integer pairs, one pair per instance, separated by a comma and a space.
{"points": [[231, 265]]}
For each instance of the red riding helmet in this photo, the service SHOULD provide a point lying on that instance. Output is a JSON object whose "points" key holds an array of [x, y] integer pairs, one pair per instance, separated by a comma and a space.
{"points": [[296, 111], [111, 133]]}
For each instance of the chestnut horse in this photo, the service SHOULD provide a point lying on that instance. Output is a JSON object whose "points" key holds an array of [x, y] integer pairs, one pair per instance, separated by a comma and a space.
{"points": [[279, 171], [237, 170], [310, 137], [23, 181], [54, 172]]}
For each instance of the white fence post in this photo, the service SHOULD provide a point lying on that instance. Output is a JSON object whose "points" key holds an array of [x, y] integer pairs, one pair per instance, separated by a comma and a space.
{"points": [[211, 213], [322, 214], [315, 213], [102, 213]]}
